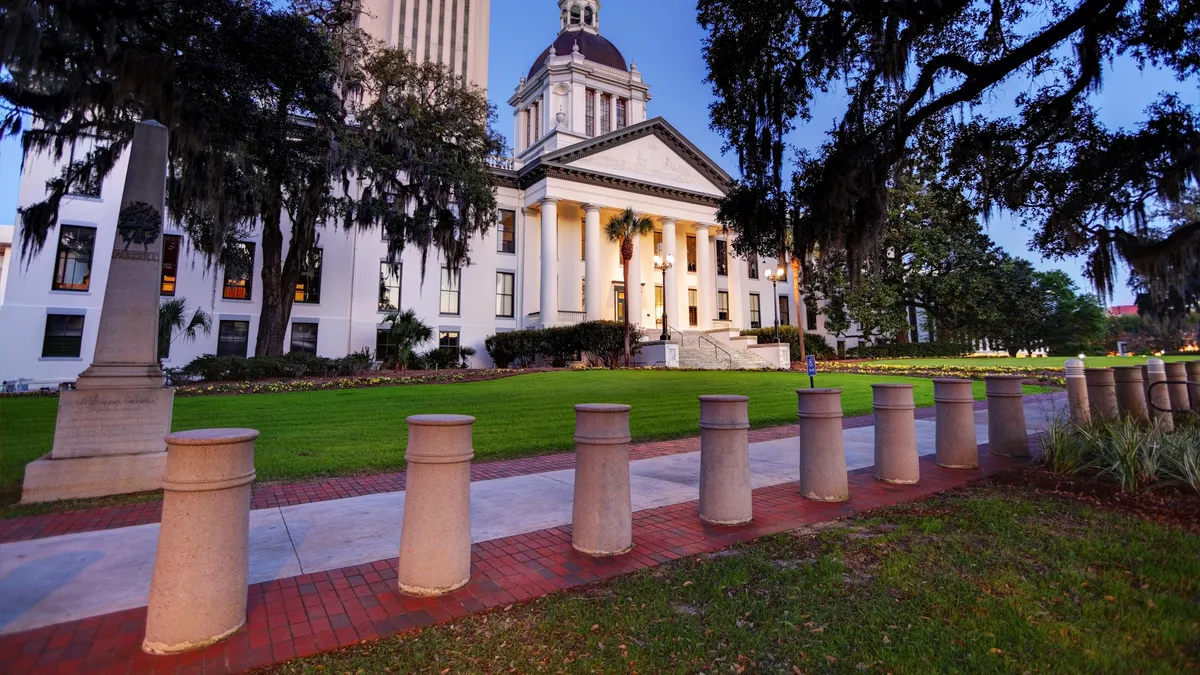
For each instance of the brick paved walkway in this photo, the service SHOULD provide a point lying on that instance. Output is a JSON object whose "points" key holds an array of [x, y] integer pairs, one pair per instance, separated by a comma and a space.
{"points": [[302, 615]]}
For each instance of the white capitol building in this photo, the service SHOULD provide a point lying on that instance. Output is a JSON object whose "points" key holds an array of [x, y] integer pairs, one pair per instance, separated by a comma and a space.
{"points": [[586, 149]]}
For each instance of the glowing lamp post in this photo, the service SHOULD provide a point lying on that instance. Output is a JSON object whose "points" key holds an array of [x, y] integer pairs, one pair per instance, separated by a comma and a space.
{"points": [[664, 265], [775, 277]]}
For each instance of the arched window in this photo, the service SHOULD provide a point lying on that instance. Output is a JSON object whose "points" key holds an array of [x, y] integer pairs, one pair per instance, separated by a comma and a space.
{"points": [[564, 17], [587, 16], [575, 15]]}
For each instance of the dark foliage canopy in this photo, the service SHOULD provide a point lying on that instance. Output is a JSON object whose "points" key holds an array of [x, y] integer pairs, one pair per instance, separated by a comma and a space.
{"points": [[924, 78]]}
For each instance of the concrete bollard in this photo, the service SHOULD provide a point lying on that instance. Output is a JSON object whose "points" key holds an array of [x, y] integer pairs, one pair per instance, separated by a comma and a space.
{"points": [[1146, 382], [1193, 376], [1077, 392], [435, 537], [602, 513], [1102, 393], [725, 494], [202, 567], [956, 444], [896, 459], [1160, 396], [1007, 434], [1177, 372], [1131, 392], [823, 474]]}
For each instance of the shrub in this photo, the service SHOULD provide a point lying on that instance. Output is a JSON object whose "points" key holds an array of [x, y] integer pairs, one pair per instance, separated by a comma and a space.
{"points": [[601, 341], [1134, 455], [910, 350], [518, 348], [604, 342], [560, 344], [814, 344], [214, 368]]}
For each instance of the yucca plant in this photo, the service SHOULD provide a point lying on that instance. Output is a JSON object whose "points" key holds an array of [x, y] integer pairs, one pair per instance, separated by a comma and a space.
{"points": [[1062, 448], [1181, 456], [1130, 453]]}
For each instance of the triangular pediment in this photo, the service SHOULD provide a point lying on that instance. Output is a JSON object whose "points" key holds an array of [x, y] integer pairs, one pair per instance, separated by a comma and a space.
{"points": [[651, 152]]}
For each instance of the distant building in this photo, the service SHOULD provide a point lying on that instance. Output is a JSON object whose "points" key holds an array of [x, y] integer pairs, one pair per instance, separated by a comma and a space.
{"points": [[1123, 310]]}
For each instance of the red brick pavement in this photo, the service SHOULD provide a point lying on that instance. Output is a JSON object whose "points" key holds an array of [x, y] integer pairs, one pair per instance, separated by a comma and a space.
{"points": [[270, 495], [303, 615]]}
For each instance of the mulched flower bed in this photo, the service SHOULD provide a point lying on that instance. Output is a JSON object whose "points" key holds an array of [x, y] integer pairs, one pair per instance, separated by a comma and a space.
{"points": [[1171, 505]]}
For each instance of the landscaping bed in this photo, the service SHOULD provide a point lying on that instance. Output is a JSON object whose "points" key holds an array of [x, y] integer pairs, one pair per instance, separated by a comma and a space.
{"points": [[994, 577]]}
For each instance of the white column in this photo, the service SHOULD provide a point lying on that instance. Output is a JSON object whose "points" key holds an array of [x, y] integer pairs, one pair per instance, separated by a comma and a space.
{"points": [[634, 292], [671, 301], [549, 303], [737, 272], [612, 112], [599, 101], [593, 292], [546, 114], [706, 282]]}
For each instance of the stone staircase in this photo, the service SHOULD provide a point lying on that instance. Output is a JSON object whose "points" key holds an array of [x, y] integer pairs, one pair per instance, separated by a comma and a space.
{"points": [[717, 350]]}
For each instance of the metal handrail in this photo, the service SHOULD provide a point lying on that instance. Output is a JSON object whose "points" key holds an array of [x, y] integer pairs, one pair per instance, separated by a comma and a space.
{"points": [[1150, 397], [717, 348]]}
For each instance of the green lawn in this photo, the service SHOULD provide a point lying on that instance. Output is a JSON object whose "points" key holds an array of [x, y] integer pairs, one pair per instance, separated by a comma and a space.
{"points": [[1031, 364], [363, 430], [985, 580]]}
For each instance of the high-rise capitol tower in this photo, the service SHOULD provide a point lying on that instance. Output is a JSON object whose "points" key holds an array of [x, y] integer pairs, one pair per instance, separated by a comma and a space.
{"points": [[452, 32]]}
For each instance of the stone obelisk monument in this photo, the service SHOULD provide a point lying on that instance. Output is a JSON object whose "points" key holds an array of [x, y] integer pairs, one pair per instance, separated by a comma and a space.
{"points": [[109, 437]]}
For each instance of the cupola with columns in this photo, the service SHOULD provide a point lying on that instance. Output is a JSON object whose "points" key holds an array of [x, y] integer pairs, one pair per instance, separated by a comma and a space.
{"points": [[578, 88]]}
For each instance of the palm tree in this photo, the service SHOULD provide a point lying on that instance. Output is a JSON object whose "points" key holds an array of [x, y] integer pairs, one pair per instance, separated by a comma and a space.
{"points": [[174, 323], [408, 333], [623, 229]]}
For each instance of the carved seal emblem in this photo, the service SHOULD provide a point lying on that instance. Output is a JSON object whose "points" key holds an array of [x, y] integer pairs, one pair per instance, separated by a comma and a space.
{"points": [[139, 223]]}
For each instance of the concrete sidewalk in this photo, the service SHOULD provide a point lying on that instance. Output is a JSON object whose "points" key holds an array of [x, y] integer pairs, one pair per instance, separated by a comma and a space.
{"points": [[64, 578]]}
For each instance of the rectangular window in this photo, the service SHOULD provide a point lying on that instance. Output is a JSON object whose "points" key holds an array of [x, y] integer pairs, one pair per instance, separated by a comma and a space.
{"points": [[233, 338], [811, 317], [63, 337], [448, 338], [450, 283], [621, 113], [389, 287], [506, 232], [752, 267], [589, 107], [308, 289], [693, 308], [658, 305], [504, 294], [785, 319], [722, 305], [73, 266], [239, 272], [304, 338], [170, 264], [691, 253], [658, 245], [605, 119], [385, 345], [620, 302], [722, 258], [755, 311], [583, 241]]}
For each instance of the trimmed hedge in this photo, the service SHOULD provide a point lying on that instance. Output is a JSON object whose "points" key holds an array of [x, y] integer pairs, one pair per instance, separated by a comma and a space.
{"points": [[602, 342], [910, 350], [213, 368], [813, 343]]}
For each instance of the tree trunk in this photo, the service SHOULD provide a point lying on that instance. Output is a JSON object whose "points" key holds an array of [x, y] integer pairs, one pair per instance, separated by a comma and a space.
{"points": [[279, 277], [914, 326], [625, 301], [801, 320]]}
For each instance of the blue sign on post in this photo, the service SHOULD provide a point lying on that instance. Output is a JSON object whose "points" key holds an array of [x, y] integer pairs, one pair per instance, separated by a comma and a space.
{"points": [[812, 370]]}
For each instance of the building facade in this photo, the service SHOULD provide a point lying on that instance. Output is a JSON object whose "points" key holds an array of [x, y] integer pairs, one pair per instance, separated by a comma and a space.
{"points": [[451, 32], [586, 151]]}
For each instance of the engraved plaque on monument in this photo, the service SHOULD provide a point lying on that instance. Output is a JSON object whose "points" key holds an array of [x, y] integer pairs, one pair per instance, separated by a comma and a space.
{"points": [[109, 435]]}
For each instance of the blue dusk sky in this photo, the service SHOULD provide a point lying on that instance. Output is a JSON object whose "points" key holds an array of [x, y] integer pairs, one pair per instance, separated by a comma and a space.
{"points": [[664, 40]]}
